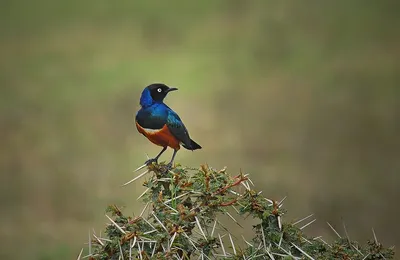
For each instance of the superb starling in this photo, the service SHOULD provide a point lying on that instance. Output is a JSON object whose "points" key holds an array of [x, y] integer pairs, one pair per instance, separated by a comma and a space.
{"points": [[160, 124]]}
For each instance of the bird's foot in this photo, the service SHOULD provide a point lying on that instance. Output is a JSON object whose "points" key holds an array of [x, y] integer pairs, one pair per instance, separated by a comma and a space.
{"points": [[150, 161], [169, 166]]}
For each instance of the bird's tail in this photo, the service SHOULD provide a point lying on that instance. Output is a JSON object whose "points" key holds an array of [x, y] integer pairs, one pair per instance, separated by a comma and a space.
{"points": [[192, 146]]}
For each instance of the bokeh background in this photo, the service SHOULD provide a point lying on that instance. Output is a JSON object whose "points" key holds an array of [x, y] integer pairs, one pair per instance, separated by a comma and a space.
{"points": [[303, 95]]}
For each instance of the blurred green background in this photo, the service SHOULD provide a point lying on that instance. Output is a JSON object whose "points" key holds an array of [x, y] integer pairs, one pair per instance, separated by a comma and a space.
{"points": [[303, 95]]}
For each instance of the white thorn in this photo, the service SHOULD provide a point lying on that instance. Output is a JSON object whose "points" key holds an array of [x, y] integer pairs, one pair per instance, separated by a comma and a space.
{"points": [[177, 197], [172, 239], [298, 221], [280, 240], [144, 192], [154, 250], [115, 224], [222, 245], [120, 250], [134, 242], [247, 241], [98, 239], [198, 224], [347, 234], [213, 229], [227, 213], [145, 207], [301, 250], [263, 237], [366, 256], [280, 204], [149, 224], [90, 244], [309, 223], [279, 223], [140, 167], [233, 245], [159, 221], [80, 254], [137, 177], [140, 251], [376, 240], [333, 230]]}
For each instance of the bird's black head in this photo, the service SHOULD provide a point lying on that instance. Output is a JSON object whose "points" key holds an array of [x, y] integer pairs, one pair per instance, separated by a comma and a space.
{"points": [[159, 91]]}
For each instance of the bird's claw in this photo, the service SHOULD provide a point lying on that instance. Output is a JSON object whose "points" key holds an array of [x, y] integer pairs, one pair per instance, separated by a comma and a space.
{"points": [[169, 166], [150, 161]]}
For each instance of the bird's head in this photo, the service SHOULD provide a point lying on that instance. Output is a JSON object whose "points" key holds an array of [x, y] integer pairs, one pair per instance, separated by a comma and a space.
{"points": [[154, 93]]}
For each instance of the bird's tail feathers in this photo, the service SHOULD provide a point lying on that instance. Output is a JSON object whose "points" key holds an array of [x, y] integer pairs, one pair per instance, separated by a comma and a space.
{"points": [[192, 146]]}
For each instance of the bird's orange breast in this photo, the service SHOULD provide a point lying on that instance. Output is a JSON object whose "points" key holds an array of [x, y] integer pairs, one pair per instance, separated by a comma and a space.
{"points": [[162, 137]]}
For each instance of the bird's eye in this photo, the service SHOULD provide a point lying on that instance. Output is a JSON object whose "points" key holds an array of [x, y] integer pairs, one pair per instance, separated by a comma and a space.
{"points": [[159, 90]]}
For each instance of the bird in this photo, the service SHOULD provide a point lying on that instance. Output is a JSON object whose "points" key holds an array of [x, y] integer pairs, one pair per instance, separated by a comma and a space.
{"points": [[160, 124]]}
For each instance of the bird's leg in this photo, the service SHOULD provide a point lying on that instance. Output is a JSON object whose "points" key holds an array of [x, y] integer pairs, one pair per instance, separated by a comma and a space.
{"points": [[150, 161], [169, 165]]}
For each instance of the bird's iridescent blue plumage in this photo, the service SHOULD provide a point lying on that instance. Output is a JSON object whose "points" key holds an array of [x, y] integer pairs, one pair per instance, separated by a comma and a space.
{"points": [[154, 114]]}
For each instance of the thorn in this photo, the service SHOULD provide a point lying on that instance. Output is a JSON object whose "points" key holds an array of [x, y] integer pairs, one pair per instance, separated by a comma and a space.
{"points": [[120, 250], [247, 241], [245, 185], [376, 240], [288, 253], [80, 254], [190, 240], [269, 254], [149, 223], [172, 239], [309, 223], [251, 181], [263, 237], [233, 245], [177, 197], [280, 204], [98, 240], [134, 242], [130, 250], [279, 223], [357, 250], [170, 208], [154, 250], [323, 241], [270, 201], [159, 221], [213, 229], [280, 240], [198, 224], [301, 250], [144, 192], [366, 256], [145, 207], [140, 251], [115, 224], [140, 167], [307, 240], [235, 193], [227, 213], [345, 231], [134, 179], [237, 211], [90, 243], [222, 245], [298, 221], [333, 230]]}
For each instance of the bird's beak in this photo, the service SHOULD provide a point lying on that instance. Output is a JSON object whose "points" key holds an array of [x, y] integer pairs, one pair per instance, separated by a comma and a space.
{"points": [[171, 89]]}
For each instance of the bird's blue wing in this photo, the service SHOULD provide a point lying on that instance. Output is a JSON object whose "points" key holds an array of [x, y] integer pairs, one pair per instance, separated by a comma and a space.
{"points": [[177, 128]]}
